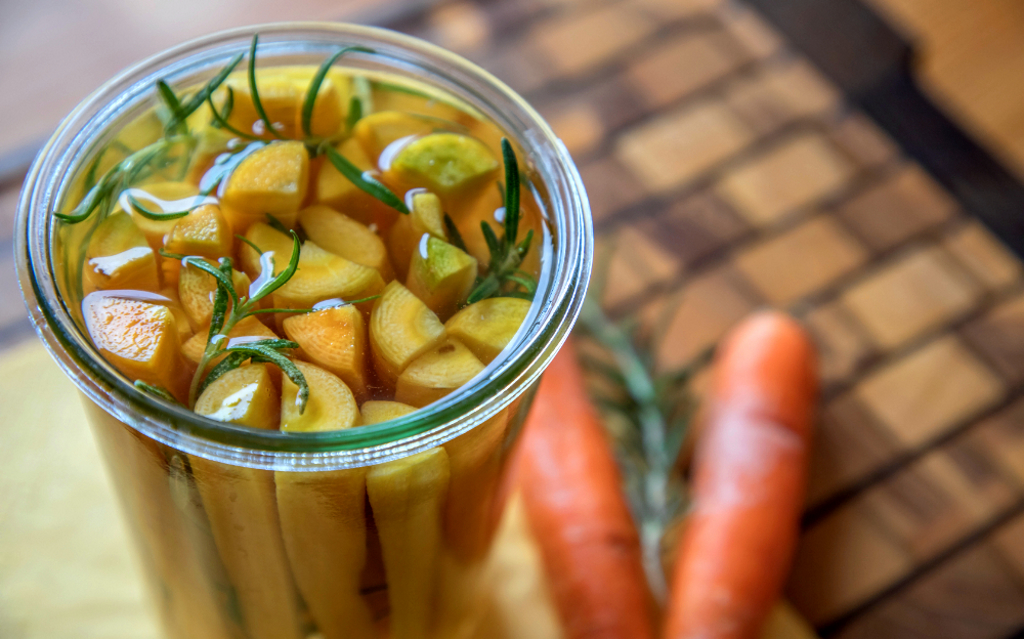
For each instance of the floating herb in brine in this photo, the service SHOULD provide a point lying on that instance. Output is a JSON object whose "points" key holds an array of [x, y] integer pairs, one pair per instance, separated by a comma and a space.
{"points": [[504, 277]]}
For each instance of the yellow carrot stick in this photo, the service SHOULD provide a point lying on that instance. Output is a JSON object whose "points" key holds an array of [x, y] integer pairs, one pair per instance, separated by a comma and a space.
{"points": [[407, 497], [242, 506], [324, 528], [475, 465], [187, 599], [322, 513]]}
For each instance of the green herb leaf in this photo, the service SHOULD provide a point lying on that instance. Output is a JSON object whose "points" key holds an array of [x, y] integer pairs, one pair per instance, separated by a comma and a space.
{"points": [[268, 352], [511, 191], [526, 282], [363, 179], [503, 273], [493, 245], [170, 100], [282, 277], [276, 224], [123, 175], [85, 208], [251, 244], [156, 215], [355, 113], [274, 343], [220, 301], [220, 120], [162, 393], [524, 246], [203, 94], [519, 294], [90, 176], [314, 86], [453, 234], [229, 363], [297, 311], [486, 288], [223, 279], [256, 103]]}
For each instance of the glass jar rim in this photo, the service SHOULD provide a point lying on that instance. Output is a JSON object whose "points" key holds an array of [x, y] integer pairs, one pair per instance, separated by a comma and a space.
{"points": [[564, 280]]}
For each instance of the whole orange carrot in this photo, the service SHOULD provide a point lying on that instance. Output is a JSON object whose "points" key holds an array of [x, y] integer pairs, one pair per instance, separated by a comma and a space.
{"points": [[571, 490], [750, 472]]}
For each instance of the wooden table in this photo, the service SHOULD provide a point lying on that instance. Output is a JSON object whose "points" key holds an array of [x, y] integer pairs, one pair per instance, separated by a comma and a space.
{"points": [[725, 174]]}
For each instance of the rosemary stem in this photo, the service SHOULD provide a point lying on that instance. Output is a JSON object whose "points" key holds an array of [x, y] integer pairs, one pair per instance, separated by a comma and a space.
{"points": [[641, 389], [211, 351]]}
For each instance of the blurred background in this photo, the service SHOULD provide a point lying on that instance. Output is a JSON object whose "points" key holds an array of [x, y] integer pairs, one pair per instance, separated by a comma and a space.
{"points": [[829, 158]]}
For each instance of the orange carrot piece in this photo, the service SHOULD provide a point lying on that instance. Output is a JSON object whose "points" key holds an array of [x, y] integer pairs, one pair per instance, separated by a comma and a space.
{"points": [[750, 474], [572, 492]]}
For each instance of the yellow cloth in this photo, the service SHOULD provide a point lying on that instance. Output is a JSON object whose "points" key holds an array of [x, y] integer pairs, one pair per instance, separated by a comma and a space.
{"points": [[66, 567]]}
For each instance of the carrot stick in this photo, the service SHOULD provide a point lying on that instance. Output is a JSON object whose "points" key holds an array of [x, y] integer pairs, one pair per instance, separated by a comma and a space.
{"points": [[750, 473], [571, 489]]}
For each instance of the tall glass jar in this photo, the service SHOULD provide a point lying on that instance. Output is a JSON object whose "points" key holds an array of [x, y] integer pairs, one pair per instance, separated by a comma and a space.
{"points": [[372, 531]]}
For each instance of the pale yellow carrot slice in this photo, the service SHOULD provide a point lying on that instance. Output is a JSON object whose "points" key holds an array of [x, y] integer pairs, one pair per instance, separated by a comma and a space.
{"points": [[118, 257], [272, 180], [377, 411], [425, 218], [140, 339], [246, 395], [162, 197], [280, 96], [334, 339], [196, 290], [441, 275], [323, 519], [203, 232], [322, 275], [489, 325], [407, 497], [377, 130], [248, 327], [267, 238], [437, 373], [282, 93], [341, 235], [242, 508], [446, 163], [401, 329]]}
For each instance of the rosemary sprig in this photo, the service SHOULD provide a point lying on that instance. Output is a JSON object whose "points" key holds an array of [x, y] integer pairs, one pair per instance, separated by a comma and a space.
{"points": [[159, 391], [453, 234], [146, 212], [251, 244], [130, 170], [503, 274], [228, 310], [355, 113], [364, 180], [254, 92], [204, 94], [314, 87], [220, 118], [648, 416], [119, 177]]}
